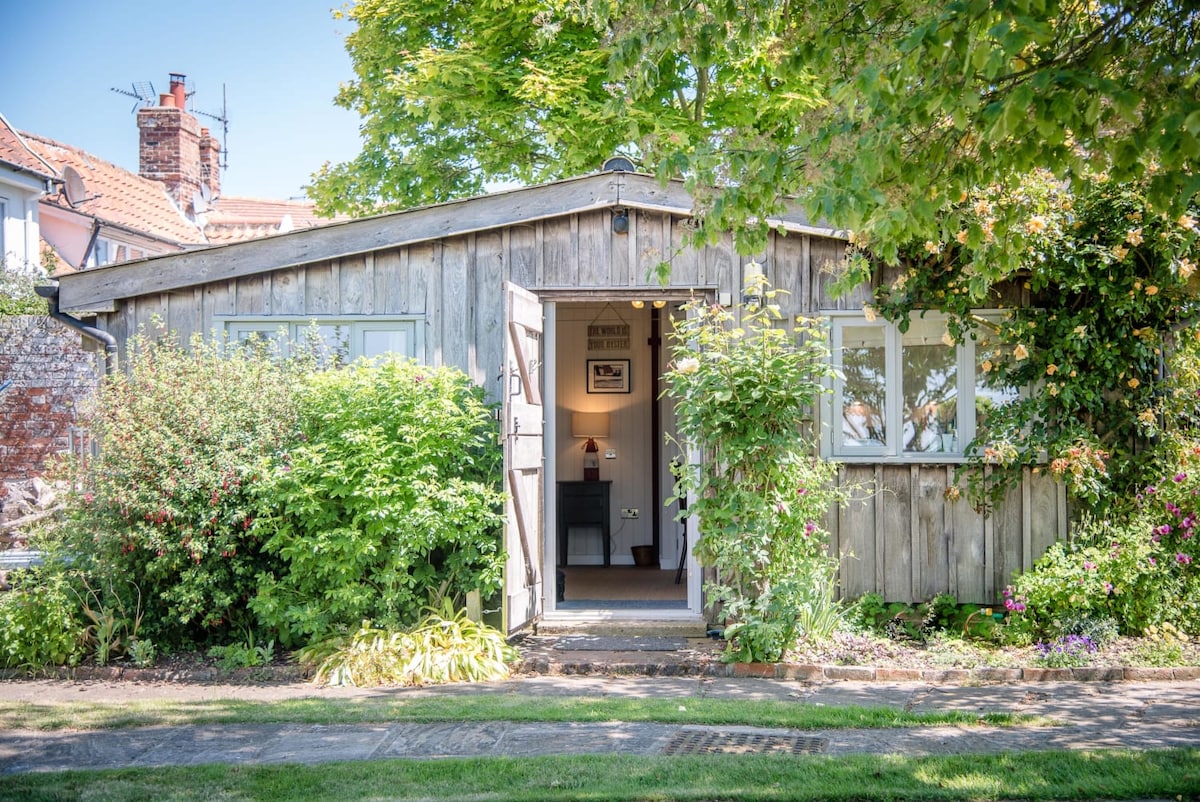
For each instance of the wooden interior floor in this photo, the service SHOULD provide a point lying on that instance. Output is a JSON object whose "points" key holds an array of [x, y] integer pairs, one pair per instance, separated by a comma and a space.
{"points": [[622, 583]]}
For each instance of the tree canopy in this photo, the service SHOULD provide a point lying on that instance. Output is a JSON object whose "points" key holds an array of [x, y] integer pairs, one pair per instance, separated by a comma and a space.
{"points": [[880, 115]]}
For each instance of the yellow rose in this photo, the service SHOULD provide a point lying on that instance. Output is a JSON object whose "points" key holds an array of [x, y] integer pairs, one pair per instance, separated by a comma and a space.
{"points": [[688, 365], [986, 366], [1133, 383], [1051, 369], [933, 247], [1020, 352], [1120, 252], [1186, 268], [869, 313], [1134, 237], [1187, 222], [1152, 290], [1035, 225], [961, 237]]}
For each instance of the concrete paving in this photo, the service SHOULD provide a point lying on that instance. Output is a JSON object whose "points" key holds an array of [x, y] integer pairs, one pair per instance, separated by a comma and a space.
{"points": [[1098, 715]]}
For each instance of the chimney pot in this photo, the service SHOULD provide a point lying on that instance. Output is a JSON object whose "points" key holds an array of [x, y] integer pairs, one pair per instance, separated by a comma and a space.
{"points": [[166, 100], [179, 90]]}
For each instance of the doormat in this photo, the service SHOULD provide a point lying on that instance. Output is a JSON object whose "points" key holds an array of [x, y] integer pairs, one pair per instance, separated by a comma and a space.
{"points": [[614, 643]]}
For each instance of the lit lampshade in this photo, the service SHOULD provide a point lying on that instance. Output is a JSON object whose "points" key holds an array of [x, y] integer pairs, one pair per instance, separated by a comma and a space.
{"points": [[659, 304], [637, 304], [590, 425]]}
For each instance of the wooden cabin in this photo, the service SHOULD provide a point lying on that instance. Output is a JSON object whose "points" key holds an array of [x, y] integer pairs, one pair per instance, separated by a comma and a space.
{"points": [[546, 297]]}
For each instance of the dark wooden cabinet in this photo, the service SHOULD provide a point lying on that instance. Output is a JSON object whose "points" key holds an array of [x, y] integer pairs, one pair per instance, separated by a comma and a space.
{"points": [[584, 504]]}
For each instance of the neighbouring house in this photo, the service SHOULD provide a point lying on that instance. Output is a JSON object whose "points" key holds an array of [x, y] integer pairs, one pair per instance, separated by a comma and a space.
{"points": [[63, 210], [544, 296]]}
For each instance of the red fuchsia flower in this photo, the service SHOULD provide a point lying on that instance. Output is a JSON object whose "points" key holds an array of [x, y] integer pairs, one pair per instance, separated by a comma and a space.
{"points": [[1183, 559]]}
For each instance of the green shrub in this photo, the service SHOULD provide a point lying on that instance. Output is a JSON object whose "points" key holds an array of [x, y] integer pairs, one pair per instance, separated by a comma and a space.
{"points": [[1110, 569], [166, 506], [17, 296], [395, 491], [40, 621], [744, 395]]}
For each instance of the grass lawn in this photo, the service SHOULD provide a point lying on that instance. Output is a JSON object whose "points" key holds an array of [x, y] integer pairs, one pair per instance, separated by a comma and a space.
{"points": [[1116, 775], [483, 707]]}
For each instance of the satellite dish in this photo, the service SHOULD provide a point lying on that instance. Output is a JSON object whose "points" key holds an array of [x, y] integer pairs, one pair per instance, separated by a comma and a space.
{"points": [[618, 164], [199, 202], [73, 186]]}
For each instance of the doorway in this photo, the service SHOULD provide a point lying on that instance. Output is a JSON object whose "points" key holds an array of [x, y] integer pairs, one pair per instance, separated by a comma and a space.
{"points": [[612, 543]]}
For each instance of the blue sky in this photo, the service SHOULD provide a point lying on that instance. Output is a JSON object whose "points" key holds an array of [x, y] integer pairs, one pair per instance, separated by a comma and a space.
{"points": [[280, 61]]}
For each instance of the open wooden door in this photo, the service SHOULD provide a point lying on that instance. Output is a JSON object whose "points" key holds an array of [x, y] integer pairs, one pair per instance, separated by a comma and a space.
{"points": [[523, 459]]}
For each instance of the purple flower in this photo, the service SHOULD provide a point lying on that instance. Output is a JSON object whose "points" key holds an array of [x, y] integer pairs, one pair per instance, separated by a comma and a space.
{"points": [[1089, 566], [1165, 529], [1108, 588], [1151, 490], [1179, 477], [1153, 561], [1183, 559]]}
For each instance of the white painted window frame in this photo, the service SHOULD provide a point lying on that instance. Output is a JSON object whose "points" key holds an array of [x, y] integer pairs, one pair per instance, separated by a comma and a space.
{"points": [[356, 326], [832, 444]]}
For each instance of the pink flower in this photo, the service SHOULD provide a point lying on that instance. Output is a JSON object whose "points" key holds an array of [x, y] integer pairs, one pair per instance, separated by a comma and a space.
{"points": [[1108, 588], [1183, 559], [1089, 566]]}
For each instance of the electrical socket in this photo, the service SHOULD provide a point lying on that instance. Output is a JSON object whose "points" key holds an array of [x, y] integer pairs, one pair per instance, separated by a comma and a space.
{"points": [[629, 512]]}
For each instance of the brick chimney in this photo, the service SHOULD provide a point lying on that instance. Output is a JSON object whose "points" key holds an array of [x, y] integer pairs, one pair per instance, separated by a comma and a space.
{"points": [[174, 149], [210, 162]]}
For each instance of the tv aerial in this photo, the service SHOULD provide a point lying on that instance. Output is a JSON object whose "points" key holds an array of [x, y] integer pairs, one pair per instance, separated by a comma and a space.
{"points": [[142, 91], [223, 119]]}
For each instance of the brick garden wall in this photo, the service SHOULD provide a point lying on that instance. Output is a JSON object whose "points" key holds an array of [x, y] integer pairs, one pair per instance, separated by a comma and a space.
{"points": [[52, 376]]}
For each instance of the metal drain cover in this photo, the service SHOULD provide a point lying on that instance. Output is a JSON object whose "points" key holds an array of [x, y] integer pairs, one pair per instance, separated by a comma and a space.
{"points": [[707, 742]]}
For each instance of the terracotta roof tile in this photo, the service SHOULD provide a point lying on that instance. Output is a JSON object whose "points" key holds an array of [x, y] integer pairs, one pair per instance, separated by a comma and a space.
{"points": [[115, 195], [14, 151], [234, 219]]}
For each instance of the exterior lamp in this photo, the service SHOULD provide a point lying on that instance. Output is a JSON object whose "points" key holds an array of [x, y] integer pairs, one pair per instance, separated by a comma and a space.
{"points": [[590, 425], [637, 304], [659, 304]]}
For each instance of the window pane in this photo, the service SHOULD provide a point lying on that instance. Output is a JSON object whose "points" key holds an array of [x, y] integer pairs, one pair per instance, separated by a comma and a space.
{"points": [[988, 398], [864, 394], [930, 403], [380, 342]]}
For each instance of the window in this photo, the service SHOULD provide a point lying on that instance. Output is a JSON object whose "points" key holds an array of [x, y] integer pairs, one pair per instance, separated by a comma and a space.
{"points": [[912, 394], [339, 340]]}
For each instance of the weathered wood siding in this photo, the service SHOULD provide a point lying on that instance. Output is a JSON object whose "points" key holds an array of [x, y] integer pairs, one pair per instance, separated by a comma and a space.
{"points": [[898, 536]]}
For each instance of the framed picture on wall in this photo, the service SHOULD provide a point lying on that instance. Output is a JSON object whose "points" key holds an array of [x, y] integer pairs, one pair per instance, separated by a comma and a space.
{"points": [[608, 375]]}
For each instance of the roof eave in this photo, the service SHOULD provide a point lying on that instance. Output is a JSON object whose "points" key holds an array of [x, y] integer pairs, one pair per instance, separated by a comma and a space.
{"points": [[101, 287]]}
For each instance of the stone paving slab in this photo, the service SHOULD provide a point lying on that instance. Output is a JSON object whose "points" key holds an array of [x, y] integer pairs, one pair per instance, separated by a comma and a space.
{"points": [[24, 751], [1092, 716]]}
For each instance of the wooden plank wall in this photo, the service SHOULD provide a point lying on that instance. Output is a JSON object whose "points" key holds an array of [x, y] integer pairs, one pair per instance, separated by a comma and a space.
{"points": [[896, 535]]}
